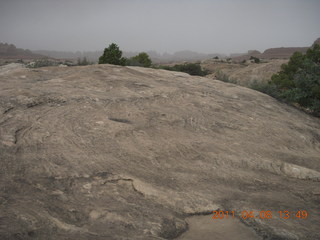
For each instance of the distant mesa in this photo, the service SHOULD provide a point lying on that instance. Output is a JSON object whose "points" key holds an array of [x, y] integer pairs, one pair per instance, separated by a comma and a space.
{"points": [[273, 53], [253, 52], [8, 51], [283, 52], [155, 56]]}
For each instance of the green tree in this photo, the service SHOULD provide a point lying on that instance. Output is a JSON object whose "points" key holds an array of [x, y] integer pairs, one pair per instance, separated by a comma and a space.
{"points": [[142, 59], [112, 55], [298, 81], [284, 79]]}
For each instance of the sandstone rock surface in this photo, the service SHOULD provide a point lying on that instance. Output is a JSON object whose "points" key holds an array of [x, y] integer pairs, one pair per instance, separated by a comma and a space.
{"points": [[108, 152]]}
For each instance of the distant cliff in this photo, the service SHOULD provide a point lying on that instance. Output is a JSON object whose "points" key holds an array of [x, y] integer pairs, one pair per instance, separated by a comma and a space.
{"points": [[283, 52], [274, 53], [11, 51]]}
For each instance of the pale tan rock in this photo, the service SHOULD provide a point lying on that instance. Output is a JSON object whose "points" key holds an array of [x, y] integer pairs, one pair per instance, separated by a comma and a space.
{"points": [[110, 152]]}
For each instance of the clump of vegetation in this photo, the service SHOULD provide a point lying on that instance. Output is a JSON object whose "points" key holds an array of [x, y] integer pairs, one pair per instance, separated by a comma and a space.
{"points": [[142, 60], [266, 88], [68, 63], [112, 55], [42, 63], [83, 62], [255, 59], [243, 61], [220, 75], [190, 68], [298, 82], [48, 63]]}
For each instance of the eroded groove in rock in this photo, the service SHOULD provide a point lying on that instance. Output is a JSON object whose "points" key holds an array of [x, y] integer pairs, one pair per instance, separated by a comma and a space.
{"points": [[17, 134], [121, 120], [8, 110]]}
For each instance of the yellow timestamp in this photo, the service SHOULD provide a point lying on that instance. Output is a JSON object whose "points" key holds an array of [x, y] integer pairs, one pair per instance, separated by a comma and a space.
{"points": [[247, 214]]}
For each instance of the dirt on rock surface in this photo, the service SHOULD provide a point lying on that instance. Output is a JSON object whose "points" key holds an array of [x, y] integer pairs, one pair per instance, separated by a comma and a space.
{"points": [[109, 152], [203, 227]]}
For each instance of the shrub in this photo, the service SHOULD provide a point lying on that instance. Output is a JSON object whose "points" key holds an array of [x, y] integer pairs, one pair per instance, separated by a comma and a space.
{"points": [[142, 59], [256, 60], [41, 63], [220, 75], [190, 68], [112, 55], [266, 88], [83, 62], [298, 82]]}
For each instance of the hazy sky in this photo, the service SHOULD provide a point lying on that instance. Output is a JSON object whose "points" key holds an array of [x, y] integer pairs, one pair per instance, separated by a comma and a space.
{"points": [[208, 26]]}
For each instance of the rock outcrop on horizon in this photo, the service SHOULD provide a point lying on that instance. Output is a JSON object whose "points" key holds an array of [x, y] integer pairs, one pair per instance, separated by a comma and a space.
{"points": [[273, 53], [8, 51], [283, 52]]}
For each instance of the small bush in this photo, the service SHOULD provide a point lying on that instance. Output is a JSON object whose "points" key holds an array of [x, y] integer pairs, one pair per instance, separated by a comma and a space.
{"points": [[266, 88], [190, 68], [41, 63], [223, 77], [256, 60], [142, 60], [83, 62]]}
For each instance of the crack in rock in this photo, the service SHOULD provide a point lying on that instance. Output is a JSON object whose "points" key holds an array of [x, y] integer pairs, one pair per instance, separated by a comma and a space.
{"points": [[8, 110], [120, 120], [17, 133]]}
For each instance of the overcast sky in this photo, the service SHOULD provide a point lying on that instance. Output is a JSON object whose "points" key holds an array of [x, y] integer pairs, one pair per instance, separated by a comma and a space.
{"points": [[207, 26]]}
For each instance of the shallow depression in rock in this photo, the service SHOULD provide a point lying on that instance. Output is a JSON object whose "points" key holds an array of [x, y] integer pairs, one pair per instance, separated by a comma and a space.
{"points": [[206, 228]]}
